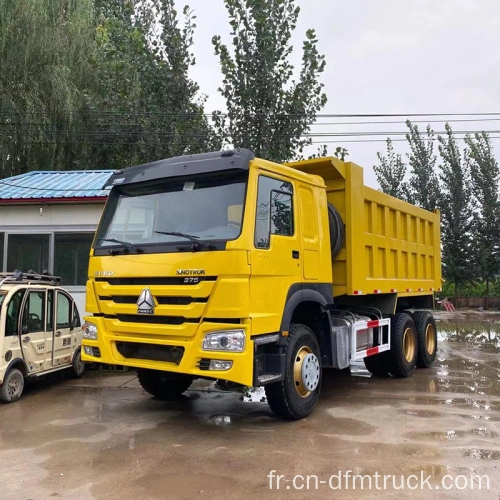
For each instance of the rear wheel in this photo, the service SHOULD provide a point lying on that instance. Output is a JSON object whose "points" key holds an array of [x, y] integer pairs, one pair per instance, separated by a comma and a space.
{"points": [[163, 385], [296, 395], [12, 386], [402, 357], [427, 338]]}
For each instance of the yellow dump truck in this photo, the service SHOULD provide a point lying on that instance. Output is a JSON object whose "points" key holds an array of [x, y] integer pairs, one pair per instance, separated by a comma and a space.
{"points": [[226, 266]]}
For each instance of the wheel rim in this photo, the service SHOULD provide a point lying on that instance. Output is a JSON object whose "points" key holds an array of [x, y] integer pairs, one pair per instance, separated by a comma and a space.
{"points": [[430, 339], [13, 386], [409, 345], [306, 371]]}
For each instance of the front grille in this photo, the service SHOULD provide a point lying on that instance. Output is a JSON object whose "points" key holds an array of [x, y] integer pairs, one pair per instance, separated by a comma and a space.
{"points": [[184, 280], [132, 299], [152, 352], [150, 319]]}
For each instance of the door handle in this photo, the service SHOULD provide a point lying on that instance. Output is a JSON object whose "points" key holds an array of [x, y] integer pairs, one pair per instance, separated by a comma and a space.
{"points": [[26, 339], [58, 334], [295, 254]]}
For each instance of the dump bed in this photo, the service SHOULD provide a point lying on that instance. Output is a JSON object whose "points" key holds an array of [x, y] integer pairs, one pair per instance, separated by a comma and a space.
{"points": [[390, 245]]}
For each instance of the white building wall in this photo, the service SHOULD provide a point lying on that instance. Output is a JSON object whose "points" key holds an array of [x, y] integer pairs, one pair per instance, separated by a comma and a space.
{"points": [[21, 217]]}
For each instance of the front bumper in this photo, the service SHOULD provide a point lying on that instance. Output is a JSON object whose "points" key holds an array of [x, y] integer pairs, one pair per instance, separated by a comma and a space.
{"points": [[178, 354]]}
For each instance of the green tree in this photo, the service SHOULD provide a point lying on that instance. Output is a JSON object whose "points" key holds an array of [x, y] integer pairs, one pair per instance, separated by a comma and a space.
{"points": [[144, 105], [423, 184], [96, 83], [485, 175], [390, 173], [268, 109], [45, 47], [456, 214]]}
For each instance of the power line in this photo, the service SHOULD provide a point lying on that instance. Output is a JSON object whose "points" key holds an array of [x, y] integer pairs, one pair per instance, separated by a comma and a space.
{"points": [[209, 115]]}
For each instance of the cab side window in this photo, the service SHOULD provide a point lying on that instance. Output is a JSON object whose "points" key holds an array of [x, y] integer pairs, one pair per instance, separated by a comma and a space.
{"points": [[274, 210], [63, 311], [13, 313], [34, 312]]}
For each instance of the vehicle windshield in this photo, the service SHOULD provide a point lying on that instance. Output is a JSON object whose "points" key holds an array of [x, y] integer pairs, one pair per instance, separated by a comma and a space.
{"points": [[2, 297], [208, 208]]}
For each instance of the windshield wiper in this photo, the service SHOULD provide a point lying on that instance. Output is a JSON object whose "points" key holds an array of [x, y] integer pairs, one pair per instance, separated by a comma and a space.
{"points": [[125, 244], [190, 237], [195, 247]]}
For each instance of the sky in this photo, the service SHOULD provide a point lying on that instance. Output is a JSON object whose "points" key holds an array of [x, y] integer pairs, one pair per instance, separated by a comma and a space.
{"points": [[383, 57]]}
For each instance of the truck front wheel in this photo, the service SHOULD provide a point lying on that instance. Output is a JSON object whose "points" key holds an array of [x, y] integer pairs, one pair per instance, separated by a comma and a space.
{"points": [[296, 395], [163, 385]]}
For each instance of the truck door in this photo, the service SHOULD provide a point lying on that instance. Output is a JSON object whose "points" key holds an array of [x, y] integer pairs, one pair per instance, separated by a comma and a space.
{"points": [[34, 339], [276, 261], [62, 332]]}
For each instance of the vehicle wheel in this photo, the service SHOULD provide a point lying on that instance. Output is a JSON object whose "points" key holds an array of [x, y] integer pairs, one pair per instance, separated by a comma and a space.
{"points": [[78, 365], [336, 230], [402, 357], [163, 385], [12, 386], [427, 338], [296, 395], [378, 364]]}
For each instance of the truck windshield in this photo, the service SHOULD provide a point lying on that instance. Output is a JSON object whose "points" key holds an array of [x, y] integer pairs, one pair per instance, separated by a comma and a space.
{"points": [[171, 213]]}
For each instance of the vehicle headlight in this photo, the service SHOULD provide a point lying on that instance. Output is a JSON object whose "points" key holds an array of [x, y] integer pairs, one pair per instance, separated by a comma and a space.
{"points": [[227, 340], [89, 331]]}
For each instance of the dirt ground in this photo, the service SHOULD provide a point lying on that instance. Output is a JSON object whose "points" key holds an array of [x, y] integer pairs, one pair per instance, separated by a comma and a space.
{"points": [[102, 437]]}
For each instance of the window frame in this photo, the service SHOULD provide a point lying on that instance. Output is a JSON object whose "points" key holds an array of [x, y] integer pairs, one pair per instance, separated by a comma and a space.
{"points": [[51, 231], [271, 191]]}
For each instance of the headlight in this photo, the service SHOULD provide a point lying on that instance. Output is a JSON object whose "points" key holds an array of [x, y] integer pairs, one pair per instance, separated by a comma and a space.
{"points": [[228, 340], [89, 331]]}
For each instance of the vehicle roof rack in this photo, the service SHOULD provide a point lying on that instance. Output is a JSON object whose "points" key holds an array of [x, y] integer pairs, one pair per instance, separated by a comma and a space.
{"points": [[31, 277]]}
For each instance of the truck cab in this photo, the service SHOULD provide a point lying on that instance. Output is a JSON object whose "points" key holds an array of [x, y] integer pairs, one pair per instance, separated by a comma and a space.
{"points": [[40, 331], [227, 266]]}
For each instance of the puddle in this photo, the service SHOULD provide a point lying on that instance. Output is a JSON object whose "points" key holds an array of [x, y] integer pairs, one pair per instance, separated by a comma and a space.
{"points": [[483, 432], [220, 419], [435, 435], [482, 334], [255, 395], [420, 413], [481, 454]]}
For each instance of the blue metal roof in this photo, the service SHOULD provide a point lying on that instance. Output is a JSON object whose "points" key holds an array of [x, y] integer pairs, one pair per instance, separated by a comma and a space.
{"points": [[55, 184]]}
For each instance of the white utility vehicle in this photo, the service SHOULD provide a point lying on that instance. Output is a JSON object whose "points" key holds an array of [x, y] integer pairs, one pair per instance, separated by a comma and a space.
{"points": [[40, 331]]}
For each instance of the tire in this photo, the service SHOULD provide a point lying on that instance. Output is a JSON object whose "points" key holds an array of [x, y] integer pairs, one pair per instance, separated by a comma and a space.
{"points": [[292, 398], [427, 338], [336, 230], [377, 364], [78, 367], [402, 357], [12, 386], [163, 385]]}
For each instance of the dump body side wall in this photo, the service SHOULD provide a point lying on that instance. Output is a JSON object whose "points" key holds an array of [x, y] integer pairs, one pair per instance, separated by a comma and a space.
{"points": [[390, 246]]}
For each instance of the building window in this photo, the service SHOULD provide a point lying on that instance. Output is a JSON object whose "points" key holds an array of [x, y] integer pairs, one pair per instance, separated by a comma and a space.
{"points": [[28, 252], [71, 257]]}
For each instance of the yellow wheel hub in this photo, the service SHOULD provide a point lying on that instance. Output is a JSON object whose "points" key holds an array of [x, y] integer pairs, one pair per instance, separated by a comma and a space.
{"points": [[430, 339], [409, 345], [306, 371]]}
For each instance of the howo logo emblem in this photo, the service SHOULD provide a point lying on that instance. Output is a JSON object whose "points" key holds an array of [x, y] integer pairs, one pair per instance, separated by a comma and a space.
{"points": [[146, 302]]}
